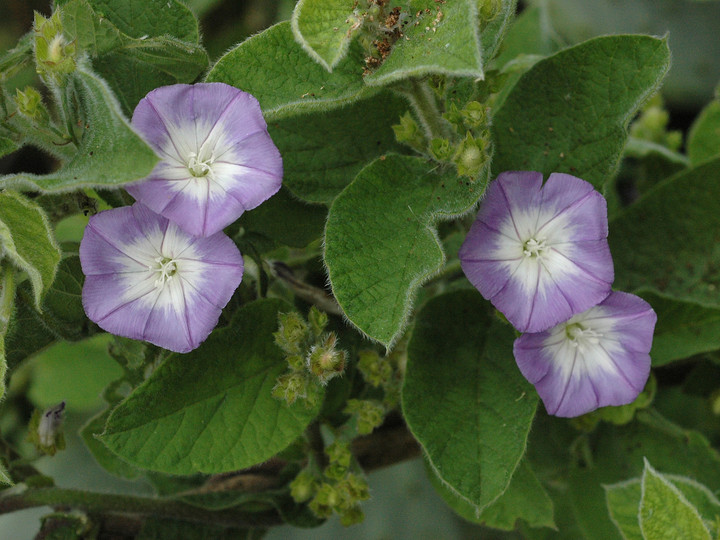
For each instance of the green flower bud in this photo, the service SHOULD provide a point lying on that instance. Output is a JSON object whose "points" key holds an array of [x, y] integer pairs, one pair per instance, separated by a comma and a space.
{"points": [[353, 489], [296, 362], [44, 429], [29, 103], [318, 321], [324, 361], [339, 452], [352, 516], [54, 55], [471, 157], [441, 149], [290, 387], [474, 114], [325, 501], [304, 486], [375, 370], [408, 132], [488, 9], [292, 333], [369, 413]]}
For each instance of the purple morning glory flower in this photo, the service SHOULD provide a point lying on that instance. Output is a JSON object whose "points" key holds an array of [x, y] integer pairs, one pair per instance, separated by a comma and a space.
{"points": [[217, 157], [147, 279], [539, 252], [595, 359]]}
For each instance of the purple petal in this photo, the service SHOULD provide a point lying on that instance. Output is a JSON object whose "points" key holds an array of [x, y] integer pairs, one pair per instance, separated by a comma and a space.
{"points": [[126, 292], [607, 365], [218, 159], [567, 220]]}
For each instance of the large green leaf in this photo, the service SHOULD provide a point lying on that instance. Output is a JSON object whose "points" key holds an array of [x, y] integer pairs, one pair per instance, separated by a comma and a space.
{"points": [[275, 69], [211, 410], [683, 328], [668, 240], [665, 514], [464, 399], [324, 28], [704, 138], [322, 153], [524, 499], [159, 48], [380, 241], [110, 152], [105, 458], [439, 39], [570, 111], [28, 241], [623, 501]]}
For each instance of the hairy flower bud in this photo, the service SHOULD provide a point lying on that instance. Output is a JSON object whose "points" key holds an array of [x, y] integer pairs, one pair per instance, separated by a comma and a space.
{"points": [[292, 333], [304, 486], [54, 55], [29, 103], [375, 370], [318, 321], [324, 361], [290, 387], [369, 413]]}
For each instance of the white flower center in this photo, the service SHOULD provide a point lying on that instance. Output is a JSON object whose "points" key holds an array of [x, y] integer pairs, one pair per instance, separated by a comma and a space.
{"points": [[581, 337], [200, 167], [166, 268], [534, 248]]}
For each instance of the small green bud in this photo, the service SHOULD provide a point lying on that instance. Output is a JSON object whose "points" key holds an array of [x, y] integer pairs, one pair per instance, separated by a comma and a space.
{"points": [[339, 452], [318, 321], [292, 333], [474, 114], [324, 361], [353, 489], [325, 501], [454, 116], [290, 387], [375, 370], [314, 394], [44, 429], [296, 362], [369, 413], [54, 55], [441, 149], [304, 486], [29, 103], [471, 157], [352, 516], [408, 132]]}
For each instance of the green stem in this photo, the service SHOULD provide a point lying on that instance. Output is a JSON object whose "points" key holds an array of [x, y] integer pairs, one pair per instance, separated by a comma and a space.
{"points": [[425, 106], [117, 505], [7, 303]]}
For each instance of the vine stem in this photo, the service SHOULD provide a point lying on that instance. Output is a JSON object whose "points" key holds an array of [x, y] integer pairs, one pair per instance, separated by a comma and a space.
{"points": [[7, 302], [118, 505], [425, 106]]}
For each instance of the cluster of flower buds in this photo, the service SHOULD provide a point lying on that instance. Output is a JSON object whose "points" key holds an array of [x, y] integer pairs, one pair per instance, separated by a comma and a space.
{"points": [[162, 270], [55, 56], [337, 489], [540, 254], [312, 356]]}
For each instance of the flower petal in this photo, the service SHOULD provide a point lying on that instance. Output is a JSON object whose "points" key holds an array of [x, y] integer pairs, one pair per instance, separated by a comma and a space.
{"points": [[219, 126], [567, 219], [609, 369], [127, 294]]}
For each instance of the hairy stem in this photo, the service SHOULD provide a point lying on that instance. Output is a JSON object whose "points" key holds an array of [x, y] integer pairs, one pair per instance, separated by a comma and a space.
{"points": [[425, 107]]}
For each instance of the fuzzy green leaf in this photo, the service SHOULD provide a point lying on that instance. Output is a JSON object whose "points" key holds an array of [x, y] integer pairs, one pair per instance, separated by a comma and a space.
{"points": [[105, 458], [438, 39], [464, 399], [110, 152], [322, 153], [525, 499], [275, 69], [679, 256], [165, 51], [28, 241], [623, 501], [704, 138], [324, 29], [211, 410], [683, 328], [665, 513], [569, 112], [380, 240], [494, 32]]}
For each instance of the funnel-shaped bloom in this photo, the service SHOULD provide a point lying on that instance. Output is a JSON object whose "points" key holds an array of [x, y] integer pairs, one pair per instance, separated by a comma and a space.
{"points": [[539, 253], [597, 358], [217, 158], [147, 279]]}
